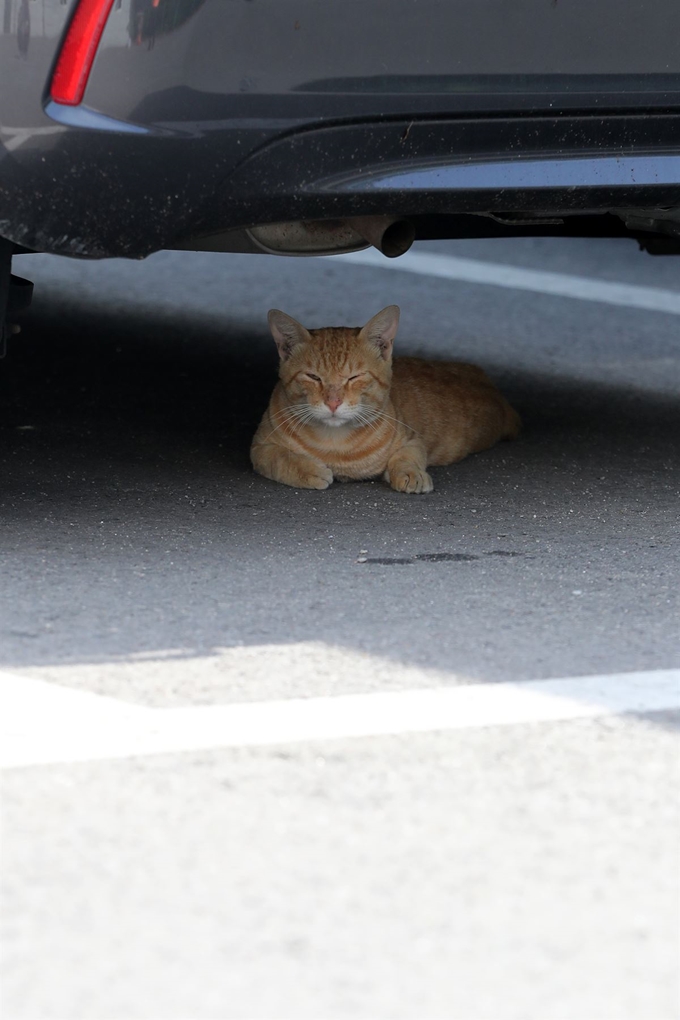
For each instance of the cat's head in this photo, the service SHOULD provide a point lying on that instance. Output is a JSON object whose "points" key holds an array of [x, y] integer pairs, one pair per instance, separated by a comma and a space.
{"points": [[342, 376]]}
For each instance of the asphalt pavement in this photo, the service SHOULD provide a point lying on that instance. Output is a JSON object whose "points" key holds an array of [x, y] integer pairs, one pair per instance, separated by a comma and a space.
{"points": [[517, 871]]}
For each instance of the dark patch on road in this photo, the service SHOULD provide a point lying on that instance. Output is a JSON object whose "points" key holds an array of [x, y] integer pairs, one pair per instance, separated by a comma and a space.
{"points": [[443, 557], [446, 557], [387, 561]]}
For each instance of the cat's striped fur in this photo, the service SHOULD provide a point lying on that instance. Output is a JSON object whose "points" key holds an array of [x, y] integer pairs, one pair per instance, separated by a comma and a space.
{"points": [[344, 409]]}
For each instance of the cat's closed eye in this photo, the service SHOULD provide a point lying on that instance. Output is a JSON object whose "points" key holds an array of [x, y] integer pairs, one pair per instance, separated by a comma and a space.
{"points": [[310, 375], [352, 377]]}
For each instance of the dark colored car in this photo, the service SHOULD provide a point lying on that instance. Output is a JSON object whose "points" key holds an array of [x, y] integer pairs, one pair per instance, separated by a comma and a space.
{"points": [[319, 126]]}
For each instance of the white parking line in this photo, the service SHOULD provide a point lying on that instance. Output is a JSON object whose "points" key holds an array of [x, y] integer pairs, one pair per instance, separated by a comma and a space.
{"points": [[44, 723], [14, 137], [496, 274]]}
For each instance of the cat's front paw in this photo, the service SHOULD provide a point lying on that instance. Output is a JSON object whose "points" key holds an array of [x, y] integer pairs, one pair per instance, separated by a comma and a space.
{"points": [[410, 479], [319, 478]]}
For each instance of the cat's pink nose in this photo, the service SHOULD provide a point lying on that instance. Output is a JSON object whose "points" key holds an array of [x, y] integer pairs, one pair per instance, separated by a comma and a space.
{"points": [[334, 404]]}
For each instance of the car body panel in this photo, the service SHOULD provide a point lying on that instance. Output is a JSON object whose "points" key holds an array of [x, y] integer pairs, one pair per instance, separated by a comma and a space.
{"points": [[204, 117]]}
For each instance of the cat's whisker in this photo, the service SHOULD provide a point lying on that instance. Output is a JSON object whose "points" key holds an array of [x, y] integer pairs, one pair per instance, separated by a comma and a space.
{"points": [[303, 420], [306, 414], [293, 409], [293, 416], [367, 420], [292, 412], [390, 417], [284, 421]]}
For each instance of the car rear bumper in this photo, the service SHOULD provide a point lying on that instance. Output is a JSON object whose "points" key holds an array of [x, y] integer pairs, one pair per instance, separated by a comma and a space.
{"points": [[150, 162], [99, 190]]}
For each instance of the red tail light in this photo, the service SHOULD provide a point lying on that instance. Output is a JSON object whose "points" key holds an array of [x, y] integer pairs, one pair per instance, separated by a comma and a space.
{"points": [[78, 51]]}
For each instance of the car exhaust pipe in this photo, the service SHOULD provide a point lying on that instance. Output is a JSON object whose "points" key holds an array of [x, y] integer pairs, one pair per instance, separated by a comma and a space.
{"points": [[391, 235]]}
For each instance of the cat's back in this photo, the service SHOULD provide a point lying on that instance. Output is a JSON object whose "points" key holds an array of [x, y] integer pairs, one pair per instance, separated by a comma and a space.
{"points": [[423, 372], [453, 405]]}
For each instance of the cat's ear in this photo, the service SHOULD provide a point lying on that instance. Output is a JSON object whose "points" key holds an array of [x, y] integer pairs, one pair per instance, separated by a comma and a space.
{"points": [[287, 332], [382, 329]]}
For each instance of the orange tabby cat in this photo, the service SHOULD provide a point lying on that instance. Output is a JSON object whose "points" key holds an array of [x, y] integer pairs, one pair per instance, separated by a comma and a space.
{"points": [[343, 409]]}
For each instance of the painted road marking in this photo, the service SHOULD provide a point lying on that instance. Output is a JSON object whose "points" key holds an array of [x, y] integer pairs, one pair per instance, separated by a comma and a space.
{"points": [[43, 723], [497, 274]]}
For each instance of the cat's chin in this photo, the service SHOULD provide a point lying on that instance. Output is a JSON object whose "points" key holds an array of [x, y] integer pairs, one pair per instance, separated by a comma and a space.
{"points": [[334, 421]]}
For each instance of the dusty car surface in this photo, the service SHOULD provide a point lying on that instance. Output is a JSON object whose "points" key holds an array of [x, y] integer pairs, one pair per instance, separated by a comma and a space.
{"points": [[318, 126]]}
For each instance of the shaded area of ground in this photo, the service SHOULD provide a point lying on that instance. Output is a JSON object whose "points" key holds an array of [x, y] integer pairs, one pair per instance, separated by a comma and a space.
{"points": [[132, 521]]}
